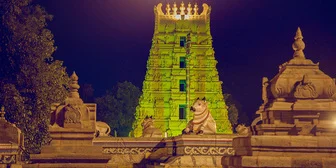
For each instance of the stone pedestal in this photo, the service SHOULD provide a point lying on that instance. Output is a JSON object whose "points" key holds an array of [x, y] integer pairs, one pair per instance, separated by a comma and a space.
{"points": [[193, 150]]}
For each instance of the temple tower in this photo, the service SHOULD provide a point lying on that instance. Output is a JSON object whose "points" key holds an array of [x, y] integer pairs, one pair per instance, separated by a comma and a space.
{"points": [[181, 67]]}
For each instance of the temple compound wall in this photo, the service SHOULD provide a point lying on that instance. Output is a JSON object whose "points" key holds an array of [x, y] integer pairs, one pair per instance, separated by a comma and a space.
{"points": [[181, 68]]}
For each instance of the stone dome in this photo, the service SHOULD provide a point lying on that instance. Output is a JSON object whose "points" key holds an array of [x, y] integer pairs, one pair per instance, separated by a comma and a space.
{"points": [[300, 78]]}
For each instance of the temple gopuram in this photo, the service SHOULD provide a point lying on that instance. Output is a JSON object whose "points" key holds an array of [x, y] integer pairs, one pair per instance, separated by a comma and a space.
{"points": [[181, 68]]}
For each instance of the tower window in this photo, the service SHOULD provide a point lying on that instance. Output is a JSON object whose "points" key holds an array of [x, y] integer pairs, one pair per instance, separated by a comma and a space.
{"points": [[183, 41], [182, 62], [183, 85], [182, 111]]}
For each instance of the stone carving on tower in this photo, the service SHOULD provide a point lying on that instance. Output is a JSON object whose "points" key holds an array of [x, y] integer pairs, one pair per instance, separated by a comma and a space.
{"points": [[181, 67], [299, 100]]}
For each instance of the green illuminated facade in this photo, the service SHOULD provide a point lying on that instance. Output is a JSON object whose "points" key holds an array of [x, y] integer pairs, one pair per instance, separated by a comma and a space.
{"points": [[181, 67]]}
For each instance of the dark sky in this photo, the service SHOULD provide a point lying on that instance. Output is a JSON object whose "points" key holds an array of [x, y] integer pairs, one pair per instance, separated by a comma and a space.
{"points": [[108, 41]]}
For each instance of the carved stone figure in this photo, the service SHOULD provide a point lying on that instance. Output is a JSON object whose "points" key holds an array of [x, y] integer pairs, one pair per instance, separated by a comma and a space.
{"points": [[102, 129], [243, 130], [148, 128], [202, 122], [305, 89], [264, 89], [72, 115]]}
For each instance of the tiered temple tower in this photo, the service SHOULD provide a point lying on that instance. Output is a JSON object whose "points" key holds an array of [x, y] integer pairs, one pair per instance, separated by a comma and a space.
{"points": [[181, 67]]}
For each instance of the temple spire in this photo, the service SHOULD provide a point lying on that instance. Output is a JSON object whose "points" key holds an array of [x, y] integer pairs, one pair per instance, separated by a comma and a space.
{"points": [[74, 86], [298, 45]]}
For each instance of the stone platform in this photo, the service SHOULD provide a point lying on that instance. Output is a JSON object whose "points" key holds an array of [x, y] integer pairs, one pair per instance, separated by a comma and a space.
{"points": [[128, 152], [283, 151], [179, 151], [193, 151]]}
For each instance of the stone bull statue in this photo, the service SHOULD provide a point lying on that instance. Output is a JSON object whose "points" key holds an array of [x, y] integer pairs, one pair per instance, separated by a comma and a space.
{"points": [[148, 128], [202, 122], [102, 129]]}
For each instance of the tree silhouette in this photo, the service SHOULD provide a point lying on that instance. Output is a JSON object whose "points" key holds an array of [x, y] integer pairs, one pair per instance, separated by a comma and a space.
{"points": [[30, 78], [117, 107]]}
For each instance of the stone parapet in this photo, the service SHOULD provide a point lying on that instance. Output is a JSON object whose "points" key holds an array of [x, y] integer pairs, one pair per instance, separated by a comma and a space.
{"points": [[179, 151], [282, 151], [277, 161], [128, 152], [217, 144], [193, 150]]}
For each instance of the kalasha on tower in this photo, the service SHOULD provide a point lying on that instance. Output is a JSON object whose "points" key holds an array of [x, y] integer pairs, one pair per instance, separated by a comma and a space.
{"points": [[181, 67]]}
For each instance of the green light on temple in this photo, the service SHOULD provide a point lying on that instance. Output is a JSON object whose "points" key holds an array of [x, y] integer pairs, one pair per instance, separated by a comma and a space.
{"points": [[181, 67]]}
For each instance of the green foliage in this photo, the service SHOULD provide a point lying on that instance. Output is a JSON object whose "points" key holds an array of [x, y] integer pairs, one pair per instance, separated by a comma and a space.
{"points": [[117, 107], [86, 91], [30, 78], [232, 109]]}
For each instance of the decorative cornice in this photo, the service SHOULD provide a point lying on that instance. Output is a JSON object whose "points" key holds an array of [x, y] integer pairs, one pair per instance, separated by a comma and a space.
{"points": [[7, 159], [125, 150], [208, 150], [182, 12]]}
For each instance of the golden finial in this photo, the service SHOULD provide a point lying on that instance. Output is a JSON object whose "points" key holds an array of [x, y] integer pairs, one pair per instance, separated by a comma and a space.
{"points": [[298, 45], [2, 113], [195, 9], [168, 9], [189, 9], [74, 85], [174, 9], [182, 9]]}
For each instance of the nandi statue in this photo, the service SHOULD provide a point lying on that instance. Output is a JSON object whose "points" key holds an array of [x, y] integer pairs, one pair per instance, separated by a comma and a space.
{"points": [[202, 122], [148, 128], [102, 129], [243, 130]]}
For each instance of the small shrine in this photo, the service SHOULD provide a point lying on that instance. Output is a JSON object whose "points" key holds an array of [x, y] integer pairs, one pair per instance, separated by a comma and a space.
{"points": [[11, 143], [72, 129], [299, 100], [296, 124]]}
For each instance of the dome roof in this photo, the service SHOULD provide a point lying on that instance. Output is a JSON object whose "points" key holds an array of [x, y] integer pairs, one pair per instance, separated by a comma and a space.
{"points": [[300, 78]]}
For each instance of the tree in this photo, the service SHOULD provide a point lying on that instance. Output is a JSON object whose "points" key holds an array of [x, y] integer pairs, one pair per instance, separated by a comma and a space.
{"points": [[86, 92], [117, 107], [30, 78], [232, 109]]}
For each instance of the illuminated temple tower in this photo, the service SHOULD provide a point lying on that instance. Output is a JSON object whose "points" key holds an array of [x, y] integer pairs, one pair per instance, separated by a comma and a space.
{"points": [[181, 67]]}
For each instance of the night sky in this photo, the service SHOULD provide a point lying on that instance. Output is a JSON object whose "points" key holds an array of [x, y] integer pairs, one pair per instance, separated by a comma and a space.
{"points": [[108, 41]]}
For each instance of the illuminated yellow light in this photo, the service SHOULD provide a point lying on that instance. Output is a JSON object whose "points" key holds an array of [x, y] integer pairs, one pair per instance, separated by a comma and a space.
{"points": [[179, 17]]}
